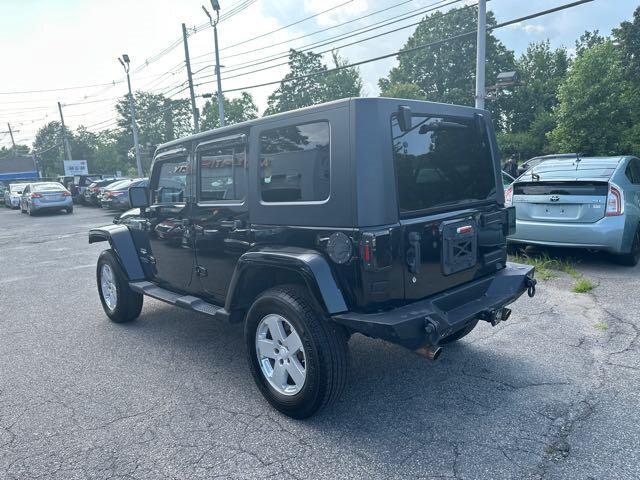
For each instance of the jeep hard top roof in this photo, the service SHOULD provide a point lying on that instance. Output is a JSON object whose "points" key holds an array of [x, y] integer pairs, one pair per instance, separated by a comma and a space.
{"points": [[441, 109]]}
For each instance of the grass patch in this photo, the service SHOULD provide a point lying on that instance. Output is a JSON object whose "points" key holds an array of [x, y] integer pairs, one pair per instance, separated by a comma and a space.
{"points": [[583, 285], [601, 326], [546, 266]]}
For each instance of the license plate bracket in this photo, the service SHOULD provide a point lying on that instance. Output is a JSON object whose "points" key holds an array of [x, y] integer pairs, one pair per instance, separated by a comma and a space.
{"points": [[459, 246]]}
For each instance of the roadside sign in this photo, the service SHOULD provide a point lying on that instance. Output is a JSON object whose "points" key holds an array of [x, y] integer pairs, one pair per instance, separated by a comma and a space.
{"points": [[119, 173], [75, 167]]}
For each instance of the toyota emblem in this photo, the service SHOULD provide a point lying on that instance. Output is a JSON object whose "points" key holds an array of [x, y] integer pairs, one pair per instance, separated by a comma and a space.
{"points": [[555, 198]]}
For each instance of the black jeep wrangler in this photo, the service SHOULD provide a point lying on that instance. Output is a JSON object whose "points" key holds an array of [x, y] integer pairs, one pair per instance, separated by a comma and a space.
{"points": [[379, 216]]}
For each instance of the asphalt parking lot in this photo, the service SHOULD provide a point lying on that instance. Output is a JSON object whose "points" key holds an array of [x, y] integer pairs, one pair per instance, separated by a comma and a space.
{"points": [[552, 393]]}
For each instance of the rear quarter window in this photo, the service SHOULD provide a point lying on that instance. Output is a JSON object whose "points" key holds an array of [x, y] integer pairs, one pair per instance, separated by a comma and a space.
{"points": [[295, 163]]}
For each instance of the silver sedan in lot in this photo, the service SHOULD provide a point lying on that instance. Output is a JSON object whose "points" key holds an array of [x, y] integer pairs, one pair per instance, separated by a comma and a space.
{"points": [[589, 203], [41, 196], [12, 195]]}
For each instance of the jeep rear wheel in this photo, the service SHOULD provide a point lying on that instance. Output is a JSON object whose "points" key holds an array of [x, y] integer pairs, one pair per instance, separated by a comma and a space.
{"points": [[298, 357], [120, 303]]}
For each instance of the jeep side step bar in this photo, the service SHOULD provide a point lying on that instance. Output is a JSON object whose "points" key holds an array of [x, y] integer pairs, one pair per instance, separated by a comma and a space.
{"points": [[185, 301]]}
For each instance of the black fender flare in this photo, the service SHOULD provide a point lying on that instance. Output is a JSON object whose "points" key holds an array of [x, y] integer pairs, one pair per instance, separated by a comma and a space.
{"points": [[310, 265], [123, 246]]}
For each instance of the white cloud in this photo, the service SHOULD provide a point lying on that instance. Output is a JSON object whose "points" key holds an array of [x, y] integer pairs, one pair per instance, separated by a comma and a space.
{"points": [[349, 10], [530, 28]]}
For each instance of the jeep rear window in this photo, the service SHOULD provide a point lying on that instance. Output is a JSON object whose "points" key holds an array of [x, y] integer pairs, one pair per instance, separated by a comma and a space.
{"points": [[441, 162], [295, 163]]}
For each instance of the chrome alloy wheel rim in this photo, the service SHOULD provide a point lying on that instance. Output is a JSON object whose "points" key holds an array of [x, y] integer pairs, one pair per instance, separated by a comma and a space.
{"points": [[281, 355], [108, 287]]}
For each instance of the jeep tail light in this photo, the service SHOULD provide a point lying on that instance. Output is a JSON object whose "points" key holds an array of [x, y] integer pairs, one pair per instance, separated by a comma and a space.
{"points": [[615, 201], [508, 196]]}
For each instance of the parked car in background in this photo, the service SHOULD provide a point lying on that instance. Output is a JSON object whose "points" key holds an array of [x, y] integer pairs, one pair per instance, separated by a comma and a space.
{"points": [[66, 181], [587, 203], [80, 184], [535, 161], [41, 196], [92, 192], [116, 195], [507, 179], [12, 195]]}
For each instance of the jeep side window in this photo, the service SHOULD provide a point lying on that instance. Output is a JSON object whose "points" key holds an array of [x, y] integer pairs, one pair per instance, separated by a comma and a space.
{"points": [[172, 182], [223, 173], [295, 163]]}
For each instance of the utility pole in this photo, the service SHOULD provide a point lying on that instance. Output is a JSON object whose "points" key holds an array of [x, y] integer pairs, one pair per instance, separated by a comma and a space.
{"points": [[196, 114], [124, 61], [65, 141], [13, 142], [481, 53], [216, 7]]}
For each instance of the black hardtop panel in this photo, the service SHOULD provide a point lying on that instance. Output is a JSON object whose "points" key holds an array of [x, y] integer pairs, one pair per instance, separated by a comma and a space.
{"points": [[373, 166], [232, 129]]}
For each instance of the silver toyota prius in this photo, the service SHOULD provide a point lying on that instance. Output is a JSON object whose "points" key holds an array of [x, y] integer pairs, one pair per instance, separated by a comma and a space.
{"points": [[589, 203]]}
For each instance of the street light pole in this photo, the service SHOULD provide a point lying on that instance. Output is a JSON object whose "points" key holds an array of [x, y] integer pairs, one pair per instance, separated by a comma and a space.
{"points": [[216, 7], [481, 53], [124, 61]]}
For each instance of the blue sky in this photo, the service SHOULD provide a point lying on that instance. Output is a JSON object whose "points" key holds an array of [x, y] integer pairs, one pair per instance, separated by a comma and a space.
{"points": [[62, 43]]}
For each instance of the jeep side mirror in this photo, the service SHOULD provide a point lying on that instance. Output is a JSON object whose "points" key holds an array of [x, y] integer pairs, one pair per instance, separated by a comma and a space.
{"points": [[404, 118], [139, 197]]}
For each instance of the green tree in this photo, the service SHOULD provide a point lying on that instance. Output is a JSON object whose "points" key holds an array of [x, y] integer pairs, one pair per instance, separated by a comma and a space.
{"points": [[587, 40], [446, 72], [593, 111], [48, 149], [315, 87], [541, 70], [627, 37], [236, 110]]}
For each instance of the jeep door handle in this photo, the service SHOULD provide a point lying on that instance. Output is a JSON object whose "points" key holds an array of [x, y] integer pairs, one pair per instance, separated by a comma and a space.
{"points": [[414, 259]]}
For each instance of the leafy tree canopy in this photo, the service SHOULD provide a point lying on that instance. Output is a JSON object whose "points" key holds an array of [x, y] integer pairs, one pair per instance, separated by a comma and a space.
{"points": [[236, 110], [295, 92]]}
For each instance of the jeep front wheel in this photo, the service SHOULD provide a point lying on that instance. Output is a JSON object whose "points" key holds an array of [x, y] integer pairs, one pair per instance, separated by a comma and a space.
{"points": [[120, 303], [298, 357]]}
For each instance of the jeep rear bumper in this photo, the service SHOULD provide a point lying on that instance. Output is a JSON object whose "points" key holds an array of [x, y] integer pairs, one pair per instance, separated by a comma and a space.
{"points": [[428, 321]]}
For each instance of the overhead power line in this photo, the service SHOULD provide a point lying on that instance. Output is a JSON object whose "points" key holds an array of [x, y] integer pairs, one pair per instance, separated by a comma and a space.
{"points": [[344, 37], [416, 48], [357, 19]]}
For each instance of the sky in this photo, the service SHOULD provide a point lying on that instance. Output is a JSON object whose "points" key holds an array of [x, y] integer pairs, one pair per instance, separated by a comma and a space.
{"points": [[64, 44]]}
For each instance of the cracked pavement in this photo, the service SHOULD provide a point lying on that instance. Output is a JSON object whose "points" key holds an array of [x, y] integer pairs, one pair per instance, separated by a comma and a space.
{"points": [[551, 393]]}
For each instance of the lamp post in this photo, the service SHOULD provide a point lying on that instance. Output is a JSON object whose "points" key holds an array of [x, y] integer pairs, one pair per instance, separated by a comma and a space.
{"points": [[216, 7], [124, 61]]}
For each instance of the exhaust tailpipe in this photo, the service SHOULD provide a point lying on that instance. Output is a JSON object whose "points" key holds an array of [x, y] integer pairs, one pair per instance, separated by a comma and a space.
{"points": [[430, 352]]}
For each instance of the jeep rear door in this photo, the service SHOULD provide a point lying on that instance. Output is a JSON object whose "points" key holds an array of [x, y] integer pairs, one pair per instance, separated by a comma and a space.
{"points": [[452, 225]]}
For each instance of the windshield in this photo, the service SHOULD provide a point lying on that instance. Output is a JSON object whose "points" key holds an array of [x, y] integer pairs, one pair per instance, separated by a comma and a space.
{"points": [[441, 161], [16, 187], [47, 187]]}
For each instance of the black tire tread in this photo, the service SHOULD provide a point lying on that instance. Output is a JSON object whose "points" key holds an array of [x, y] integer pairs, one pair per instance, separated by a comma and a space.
{"points": [[331, 340], [129, 302]]}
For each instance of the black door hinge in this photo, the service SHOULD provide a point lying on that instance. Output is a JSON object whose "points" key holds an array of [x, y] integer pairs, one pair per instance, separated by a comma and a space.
{"points": [[201, 271]]}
